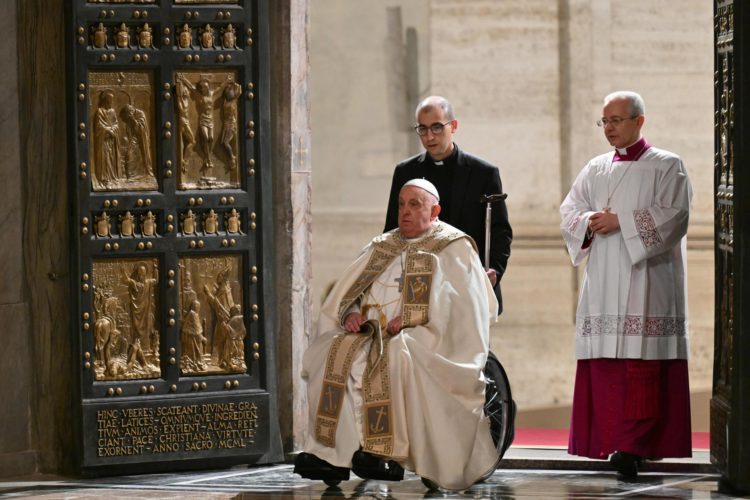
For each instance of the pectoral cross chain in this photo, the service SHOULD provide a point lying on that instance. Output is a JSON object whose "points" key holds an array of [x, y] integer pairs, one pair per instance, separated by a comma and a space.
{"points": [[400, 281]]}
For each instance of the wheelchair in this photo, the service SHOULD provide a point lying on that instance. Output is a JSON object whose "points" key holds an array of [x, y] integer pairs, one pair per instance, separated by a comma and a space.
{"points": [[499, 407]]}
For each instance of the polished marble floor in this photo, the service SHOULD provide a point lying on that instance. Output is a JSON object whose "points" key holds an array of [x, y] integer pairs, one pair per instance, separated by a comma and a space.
{"points": [[592, 480]]}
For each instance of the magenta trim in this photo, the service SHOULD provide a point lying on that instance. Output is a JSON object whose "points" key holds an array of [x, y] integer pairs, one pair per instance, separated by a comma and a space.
{"points": [[635, 151]]}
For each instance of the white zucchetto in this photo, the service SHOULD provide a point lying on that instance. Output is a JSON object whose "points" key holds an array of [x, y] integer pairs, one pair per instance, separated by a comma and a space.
{"points": [[424, 184]]}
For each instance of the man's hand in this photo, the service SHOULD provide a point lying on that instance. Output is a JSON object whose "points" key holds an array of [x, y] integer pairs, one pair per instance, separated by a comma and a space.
{"points": [[492, 275], [394, 325], [353, 322], [604, 222]]}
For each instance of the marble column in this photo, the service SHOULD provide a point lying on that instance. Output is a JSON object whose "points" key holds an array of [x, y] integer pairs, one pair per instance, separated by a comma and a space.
{"points": [[292, 186]]}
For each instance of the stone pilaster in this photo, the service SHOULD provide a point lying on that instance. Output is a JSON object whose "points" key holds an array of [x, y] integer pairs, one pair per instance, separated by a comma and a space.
{"points": [[292, 192]]}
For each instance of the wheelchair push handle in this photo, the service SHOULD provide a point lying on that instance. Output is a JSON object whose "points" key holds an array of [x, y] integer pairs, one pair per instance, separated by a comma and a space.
{"points": [[489, 199], [492, 198]]}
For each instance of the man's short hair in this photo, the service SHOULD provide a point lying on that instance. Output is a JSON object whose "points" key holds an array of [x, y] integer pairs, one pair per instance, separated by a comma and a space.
{"points": [[436, 101], [637, 106]]}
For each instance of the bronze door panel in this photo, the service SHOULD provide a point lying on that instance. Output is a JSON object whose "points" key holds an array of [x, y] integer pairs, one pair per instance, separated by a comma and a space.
{"points": [[168, 156]]}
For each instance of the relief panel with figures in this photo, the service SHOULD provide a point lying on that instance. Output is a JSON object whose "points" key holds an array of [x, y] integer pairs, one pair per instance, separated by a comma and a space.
{"points": [[213, 331], [126, 327], [207, 116], [121, 114]]}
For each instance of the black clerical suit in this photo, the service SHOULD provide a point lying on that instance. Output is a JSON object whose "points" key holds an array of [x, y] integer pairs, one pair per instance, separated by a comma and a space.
{"points": [[461, 179]]}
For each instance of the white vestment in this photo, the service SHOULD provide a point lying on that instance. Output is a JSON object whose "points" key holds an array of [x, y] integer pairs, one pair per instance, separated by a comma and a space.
{"points": [[632, 302], [435, 370]]}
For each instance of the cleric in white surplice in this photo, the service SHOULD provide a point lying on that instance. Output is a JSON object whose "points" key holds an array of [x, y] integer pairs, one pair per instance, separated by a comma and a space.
{"points": [[627, 211], [410, 393]]}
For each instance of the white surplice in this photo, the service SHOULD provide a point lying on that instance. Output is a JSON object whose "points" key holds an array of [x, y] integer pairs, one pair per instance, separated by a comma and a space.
{"points": [[632, 301], [435, 370]]}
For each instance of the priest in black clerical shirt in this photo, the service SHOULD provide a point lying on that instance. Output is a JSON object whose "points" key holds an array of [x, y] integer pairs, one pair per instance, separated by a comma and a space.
{"points": [[461, 179]]}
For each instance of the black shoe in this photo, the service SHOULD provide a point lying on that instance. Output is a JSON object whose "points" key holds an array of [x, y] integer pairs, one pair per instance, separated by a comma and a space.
{"points": [[431, 485], [369, 466], [309, 466], [626, 464]]}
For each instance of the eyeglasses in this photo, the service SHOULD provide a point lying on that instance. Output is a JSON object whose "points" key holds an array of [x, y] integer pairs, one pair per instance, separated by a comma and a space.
{"points": [[615, 120], [435, 128]]}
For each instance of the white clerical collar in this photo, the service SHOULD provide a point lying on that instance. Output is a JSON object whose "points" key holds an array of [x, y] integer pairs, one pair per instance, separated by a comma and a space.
{"points": [[624, 151], [442, 162]]}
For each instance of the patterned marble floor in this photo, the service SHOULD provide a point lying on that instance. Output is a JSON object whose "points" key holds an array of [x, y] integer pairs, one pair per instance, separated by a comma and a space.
{"points": [[279, 482]]}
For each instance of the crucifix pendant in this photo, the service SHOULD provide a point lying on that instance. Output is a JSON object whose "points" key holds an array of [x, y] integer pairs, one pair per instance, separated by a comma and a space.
{"points": [[400, 281]]}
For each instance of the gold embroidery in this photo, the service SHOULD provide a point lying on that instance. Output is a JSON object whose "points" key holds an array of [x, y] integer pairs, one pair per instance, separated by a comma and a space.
{"points": [[418, 270], [378, 420], [338, 365], [420, 264], [418, 286], [420, 258]]}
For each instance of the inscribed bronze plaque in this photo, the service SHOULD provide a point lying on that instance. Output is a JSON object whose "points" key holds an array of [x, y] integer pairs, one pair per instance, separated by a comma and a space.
{"points": [[121, 114], [161, 429], [192, 2], [212, 331], [206, 105], [126, 328]]}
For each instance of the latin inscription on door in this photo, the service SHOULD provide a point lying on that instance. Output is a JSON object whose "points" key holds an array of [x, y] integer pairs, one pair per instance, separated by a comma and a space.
{"points": [[166, 430]]}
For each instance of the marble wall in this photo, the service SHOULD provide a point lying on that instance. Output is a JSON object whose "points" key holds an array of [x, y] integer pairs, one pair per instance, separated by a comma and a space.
{"points": [[357, 73]]}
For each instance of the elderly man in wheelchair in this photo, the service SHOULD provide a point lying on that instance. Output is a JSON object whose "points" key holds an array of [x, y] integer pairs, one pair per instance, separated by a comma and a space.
{"points": [[396, 373]]}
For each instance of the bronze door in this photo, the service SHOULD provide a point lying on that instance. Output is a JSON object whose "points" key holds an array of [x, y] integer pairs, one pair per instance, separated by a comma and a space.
{"points": [[170, 182], [730, 405]]}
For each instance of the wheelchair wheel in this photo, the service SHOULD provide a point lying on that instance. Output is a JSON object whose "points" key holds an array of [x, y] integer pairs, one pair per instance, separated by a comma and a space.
{"points": [[499, 405]]}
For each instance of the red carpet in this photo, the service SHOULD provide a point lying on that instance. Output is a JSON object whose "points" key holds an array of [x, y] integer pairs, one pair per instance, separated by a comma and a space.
{"points": [[558, 438]]}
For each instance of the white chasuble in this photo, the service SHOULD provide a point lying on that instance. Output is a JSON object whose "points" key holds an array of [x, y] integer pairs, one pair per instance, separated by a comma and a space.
{"points": [[632, 301], [434, 369]]}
